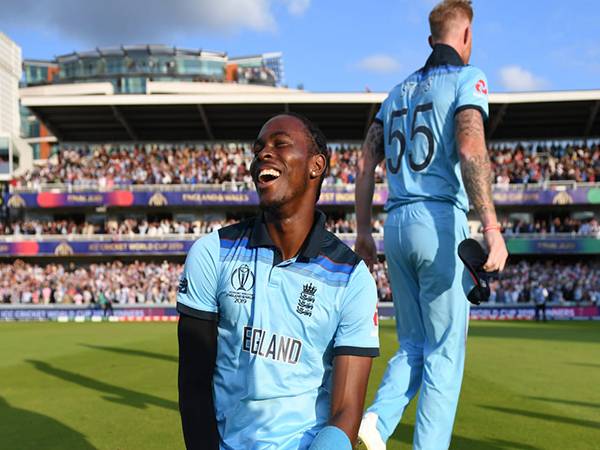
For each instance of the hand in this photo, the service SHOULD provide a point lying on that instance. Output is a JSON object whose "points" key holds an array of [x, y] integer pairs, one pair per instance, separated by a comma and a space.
{"points": [[366, 248], [497, 248]]}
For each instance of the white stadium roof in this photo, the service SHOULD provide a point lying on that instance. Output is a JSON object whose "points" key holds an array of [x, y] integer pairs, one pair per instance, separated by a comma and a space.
{"points": [[206, 111]]}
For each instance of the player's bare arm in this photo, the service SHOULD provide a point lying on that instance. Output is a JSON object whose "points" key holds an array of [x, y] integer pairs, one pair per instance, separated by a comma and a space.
{"points": [[197, 337], [477, 175], [350, 379], [372, 154]]}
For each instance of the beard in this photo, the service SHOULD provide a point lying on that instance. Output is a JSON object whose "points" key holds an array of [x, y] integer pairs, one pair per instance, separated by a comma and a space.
{"points": [[276, 201]]}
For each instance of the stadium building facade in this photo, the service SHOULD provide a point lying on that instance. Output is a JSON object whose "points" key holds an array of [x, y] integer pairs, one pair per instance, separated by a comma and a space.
{"points": [[14, 153], [129, 70]]}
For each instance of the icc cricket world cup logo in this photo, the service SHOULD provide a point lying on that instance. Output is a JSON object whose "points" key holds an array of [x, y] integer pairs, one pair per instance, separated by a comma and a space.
{"points": [[242, 278]]}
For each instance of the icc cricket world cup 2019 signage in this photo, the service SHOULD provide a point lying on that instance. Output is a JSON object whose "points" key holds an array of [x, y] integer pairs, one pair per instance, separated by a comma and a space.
{"points": [[66, 248], [241, 279]]}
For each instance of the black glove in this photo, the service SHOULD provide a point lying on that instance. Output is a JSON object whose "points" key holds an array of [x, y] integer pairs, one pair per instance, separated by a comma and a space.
{"points": [[474, 257]]}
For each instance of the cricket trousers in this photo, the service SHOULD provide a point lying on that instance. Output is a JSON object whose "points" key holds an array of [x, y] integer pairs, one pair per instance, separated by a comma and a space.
{"points": [[429, 285]]}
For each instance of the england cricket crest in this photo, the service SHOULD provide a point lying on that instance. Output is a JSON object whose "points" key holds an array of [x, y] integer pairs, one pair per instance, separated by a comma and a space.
{"points": [[306, 300]]}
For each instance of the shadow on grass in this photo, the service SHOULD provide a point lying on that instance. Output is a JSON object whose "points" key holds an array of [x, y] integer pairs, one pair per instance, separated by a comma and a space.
{"points": [[564, 332], [404, 434], [115, 394], [547, 417], [25, 430], [133, 352], [566, 402], [592, 365]]}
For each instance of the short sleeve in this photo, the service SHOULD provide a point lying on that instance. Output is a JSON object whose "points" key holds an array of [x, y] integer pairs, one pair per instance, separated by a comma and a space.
{"points": [[381, 112], [379, 116], [197, 293], [358, 330], [472, 91]]}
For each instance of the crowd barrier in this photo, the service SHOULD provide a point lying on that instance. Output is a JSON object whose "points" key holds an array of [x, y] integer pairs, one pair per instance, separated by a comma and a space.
{"points": [[162, 313]]}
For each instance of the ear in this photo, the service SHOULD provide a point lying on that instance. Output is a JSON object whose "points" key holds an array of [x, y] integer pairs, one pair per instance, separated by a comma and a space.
{"points": [[467, 35], [430, 40], [318, 166]]}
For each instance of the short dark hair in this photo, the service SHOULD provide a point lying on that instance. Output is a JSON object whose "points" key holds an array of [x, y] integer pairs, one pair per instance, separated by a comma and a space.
{"points": [[319, 143]]}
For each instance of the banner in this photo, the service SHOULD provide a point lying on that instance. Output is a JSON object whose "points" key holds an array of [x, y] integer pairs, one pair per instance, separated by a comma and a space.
{"points": [[329, 196], [123, 245], [519, 312], [128, 198], [91, 247], [570, 246], [166, 313], [66, 312], [539, 196], [528, 313]]}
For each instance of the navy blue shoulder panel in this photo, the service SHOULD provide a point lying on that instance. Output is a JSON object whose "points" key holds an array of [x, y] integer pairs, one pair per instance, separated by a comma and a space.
{"points": [[337, 252], [237, 230]]}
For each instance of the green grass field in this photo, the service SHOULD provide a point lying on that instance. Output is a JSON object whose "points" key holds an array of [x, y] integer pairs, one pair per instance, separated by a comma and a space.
{"points": [[113, 386]]}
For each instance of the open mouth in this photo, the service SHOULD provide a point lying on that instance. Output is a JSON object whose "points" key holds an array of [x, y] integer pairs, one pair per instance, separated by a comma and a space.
{"points": [[267, 176]]}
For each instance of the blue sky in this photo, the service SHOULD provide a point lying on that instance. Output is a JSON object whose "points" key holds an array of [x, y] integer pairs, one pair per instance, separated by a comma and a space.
{"points": [[330, 45]]}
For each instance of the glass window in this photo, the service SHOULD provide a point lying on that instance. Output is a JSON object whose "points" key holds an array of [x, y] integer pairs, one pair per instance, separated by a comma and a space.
{"points": [[4, 155], [133, 85], [114, 65], [36, 151]]}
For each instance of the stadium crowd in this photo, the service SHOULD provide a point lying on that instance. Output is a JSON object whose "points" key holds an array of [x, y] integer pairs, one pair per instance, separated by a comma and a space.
{"points": [[343, 224], [117, 282], [107, 165], [588, 227], [552, 281], [145, 282], [126, 227], [533, 163], [129, 227]]}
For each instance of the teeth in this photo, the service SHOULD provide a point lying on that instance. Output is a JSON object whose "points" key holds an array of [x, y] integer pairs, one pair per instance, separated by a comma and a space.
{"points": [[269, 172]]}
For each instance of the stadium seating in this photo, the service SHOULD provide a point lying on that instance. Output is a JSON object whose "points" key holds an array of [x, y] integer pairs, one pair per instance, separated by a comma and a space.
{"points": [[106, 166], [225, 166], [342, 225]]}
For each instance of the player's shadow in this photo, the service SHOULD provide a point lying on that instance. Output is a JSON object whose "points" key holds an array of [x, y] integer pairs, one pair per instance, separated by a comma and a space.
{"points": [[584, 364], [23, 429], [539, 332], [547, 417], [404, 434], [133, 352], [566, 402], [113, 393]]}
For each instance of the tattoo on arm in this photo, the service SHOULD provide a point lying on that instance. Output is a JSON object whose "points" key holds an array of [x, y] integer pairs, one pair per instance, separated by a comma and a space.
{"points": [[469, 124], [476, 172], [475, 164], [373, 145]]}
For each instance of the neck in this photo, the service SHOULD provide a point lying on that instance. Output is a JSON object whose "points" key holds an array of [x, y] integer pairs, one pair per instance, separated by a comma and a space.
{"points": [[289, 227]]}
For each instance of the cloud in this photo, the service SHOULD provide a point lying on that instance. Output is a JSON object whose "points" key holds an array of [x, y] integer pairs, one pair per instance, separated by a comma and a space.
{"points": [[111, 22], [516, 78], [379, 63], [297, 7]]}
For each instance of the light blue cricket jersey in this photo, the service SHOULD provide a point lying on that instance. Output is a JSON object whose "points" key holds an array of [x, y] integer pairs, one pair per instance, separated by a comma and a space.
{"points": [[280, 324], [418, 120]]}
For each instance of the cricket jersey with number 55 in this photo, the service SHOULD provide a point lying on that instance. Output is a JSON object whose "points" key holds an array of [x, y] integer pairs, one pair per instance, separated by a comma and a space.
{"points": [[280, 325], [418, 121]]}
